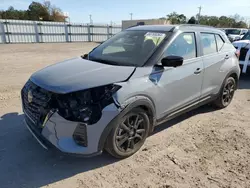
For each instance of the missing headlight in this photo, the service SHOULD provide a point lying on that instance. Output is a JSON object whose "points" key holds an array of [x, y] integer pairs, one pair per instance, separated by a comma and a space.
{"points": [[86, 106]]}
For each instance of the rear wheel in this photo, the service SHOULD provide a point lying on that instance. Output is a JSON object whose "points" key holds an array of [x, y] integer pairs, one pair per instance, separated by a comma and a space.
{"points": [[127, 137], [226, 93]]}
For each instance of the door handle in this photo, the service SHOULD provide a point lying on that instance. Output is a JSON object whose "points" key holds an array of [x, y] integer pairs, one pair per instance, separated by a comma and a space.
{"points": [[227, 57], [198, 71]]}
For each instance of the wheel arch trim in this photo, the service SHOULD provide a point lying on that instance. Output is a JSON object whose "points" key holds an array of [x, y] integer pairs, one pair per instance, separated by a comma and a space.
{"points": [[129, 104], [230, 73]]}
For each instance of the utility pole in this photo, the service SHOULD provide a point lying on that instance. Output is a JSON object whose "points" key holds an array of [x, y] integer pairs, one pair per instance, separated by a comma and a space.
{"points": [[90, 19], [199, 14], [131, 16]]}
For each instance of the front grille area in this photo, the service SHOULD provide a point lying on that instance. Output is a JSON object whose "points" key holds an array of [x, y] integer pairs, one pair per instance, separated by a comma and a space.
{"points": [[35, 102], [243, 53]]}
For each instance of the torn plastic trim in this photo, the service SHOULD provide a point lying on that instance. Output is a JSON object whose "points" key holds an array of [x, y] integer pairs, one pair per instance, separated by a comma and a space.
{"points": [[117, 104], [47, 117]]}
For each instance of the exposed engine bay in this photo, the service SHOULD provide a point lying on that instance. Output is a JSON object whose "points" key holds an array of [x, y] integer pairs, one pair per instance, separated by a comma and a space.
{"points": [[85, 106]]}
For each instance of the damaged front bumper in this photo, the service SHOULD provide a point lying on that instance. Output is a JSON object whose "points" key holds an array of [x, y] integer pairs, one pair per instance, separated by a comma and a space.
{"points": [[60, 133]]}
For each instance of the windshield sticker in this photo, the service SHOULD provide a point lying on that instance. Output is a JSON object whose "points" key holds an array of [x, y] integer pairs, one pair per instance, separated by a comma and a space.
{"points": [[158, 35]]}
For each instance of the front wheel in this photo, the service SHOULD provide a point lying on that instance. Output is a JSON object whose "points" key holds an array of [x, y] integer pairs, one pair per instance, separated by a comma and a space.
{"points": [[127, 137], [226, 93]]}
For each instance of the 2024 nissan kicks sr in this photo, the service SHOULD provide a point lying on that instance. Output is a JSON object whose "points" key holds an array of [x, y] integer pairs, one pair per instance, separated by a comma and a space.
{"points": [[113, 97]]}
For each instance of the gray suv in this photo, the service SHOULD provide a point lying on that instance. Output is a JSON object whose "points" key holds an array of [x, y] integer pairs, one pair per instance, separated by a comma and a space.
{"points": [[113, 97]]}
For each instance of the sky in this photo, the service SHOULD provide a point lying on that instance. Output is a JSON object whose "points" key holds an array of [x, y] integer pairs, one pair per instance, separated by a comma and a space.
{"points": [[105, 11]]}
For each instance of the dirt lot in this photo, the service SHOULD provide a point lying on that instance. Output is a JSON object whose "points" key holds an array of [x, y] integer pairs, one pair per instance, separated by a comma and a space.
{"points": [[204, 148]]}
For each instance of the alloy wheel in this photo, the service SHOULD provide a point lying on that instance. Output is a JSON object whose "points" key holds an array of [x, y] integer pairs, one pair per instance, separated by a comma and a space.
{"points": [[130, 133], [228, 92]]}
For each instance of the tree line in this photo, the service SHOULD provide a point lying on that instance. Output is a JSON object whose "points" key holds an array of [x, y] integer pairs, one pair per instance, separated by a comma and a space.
{"points": [[36, 11], [235, 21]]}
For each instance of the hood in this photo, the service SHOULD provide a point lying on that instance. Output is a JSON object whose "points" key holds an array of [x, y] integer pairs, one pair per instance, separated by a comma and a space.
{"points": [[79, 74]]}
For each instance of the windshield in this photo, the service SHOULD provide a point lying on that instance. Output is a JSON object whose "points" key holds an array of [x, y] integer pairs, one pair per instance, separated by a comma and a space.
{"points": [[246, 36], [233, 31], [128, 48]]}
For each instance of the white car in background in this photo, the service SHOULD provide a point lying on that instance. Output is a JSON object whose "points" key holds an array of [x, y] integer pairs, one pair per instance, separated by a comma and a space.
{"points": [[243, 47], [235, 34]]}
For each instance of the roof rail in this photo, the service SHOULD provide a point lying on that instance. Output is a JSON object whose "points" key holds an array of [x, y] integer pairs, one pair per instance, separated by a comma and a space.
{"points": [[195, 25]]}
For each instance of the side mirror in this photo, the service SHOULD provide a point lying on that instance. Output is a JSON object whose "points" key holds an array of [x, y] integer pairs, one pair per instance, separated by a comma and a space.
{"points": [[172, 61]]}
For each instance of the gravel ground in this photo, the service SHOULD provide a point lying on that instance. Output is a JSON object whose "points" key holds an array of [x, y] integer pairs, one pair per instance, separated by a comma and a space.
{"points": [[203, 148]]}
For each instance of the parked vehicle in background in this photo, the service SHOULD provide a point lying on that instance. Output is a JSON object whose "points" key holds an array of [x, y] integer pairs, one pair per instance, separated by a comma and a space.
{"points": [[113, 97], [222, 29], [243, 46], [234, 34]]}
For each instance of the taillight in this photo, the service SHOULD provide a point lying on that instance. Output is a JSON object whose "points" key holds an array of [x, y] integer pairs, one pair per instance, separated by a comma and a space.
{"points": [[237, 53]]}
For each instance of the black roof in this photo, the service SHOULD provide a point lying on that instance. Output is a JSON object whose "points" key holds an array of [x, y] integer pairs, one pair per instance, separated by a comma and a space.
{"points": [[153, 27], [183, 27]]}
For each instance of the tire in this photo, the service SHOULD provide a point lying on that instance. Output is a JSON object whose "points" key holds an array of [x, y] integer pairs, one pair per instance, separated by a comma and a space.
{"points": [[226, 93], [129, 134]]}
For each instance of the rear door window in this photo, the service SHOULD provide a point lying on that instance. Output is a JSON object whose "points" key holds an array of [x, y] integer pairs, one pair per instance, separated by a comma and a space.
{"points": [[208, 43], [220, 42]]}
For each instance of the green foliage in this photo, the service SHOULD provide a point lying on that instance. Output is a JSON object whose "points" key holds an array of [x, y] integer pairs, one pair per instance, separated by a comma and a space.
{"points": [[241, 24], [35, 11], [13, 14], [235, 21], [175, 18], [223, 21], [192, 20]]}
